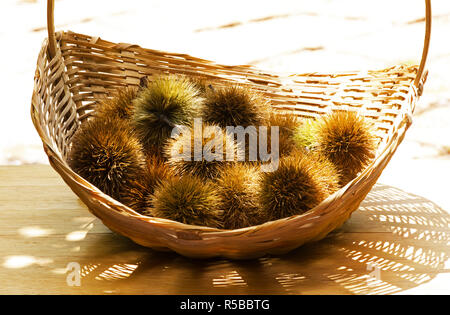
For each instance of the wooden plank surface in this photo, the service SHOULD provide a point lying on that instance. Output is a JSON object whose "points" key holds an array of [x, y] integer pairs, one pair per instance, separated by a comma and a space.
{"points": [[397, 242]]}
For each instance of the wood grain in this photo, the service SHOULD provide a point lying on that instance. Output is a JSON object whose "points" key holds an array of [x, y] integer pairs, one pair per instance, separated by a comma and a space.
{"points": [[44, 227]]}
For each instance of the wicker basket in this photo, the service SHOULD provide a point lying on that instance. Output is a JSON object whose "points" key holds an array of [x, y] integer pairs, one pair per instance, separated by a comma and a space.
{"points": [[75, 70]]}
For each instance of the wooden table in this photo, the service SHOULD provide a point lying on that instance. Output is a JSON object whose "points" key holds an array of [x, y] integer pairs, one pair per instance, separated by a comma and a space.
{"points": [[397, 242]]}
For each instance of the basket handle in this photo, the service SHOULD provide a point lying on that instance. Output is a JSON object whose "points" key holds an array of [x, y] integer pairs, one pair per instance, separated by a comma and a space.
{"points": [[428, 17], [426, 44], [51, 28]]}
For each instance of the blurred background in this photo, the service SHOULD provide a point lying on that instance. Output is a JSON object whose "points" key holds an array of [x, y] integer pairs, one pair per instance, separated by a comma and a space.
{"points": [[285, 36]]}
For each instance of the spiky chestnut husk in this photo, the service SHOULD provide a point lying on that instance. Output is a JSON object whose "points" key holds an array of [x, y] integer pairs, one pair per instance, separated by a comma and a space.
{"points": [[156, 152], [234, 105], [187, 199], [285, 143], [202, 83], [138, 195], [206, 167], [106, 152], [120, 105], [299, 184], [166, 102], [238, 188], [348, 140], [305, 135], [287, 125]]}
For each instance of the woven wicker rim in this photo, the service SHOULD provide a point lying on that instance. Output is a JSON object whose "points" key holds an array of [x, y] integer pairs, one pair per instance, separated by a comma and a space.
{"points": [[273, 237]]}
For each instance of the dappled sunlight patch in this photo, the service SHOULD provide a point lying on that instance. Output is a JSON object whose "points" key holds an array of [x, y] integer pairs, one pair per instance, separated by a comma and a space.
{"points": [[363, 284], [87, 269], [117, 272], [288, 280], [15, 262], [80, 234], [230, 279], [22, 261], [34, 231], [76, 236], [59, 271]]}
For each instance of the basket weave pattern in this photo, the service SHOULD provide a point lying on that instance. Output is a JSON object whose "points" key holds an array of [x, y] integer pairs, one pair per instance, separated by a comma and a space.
{"points": [[85, 69]]}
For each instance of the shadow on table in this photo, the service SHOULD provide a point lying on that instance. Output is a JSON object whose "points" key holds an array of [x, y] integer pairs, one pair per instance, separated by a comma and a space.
{"points": [[394, 242]]}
